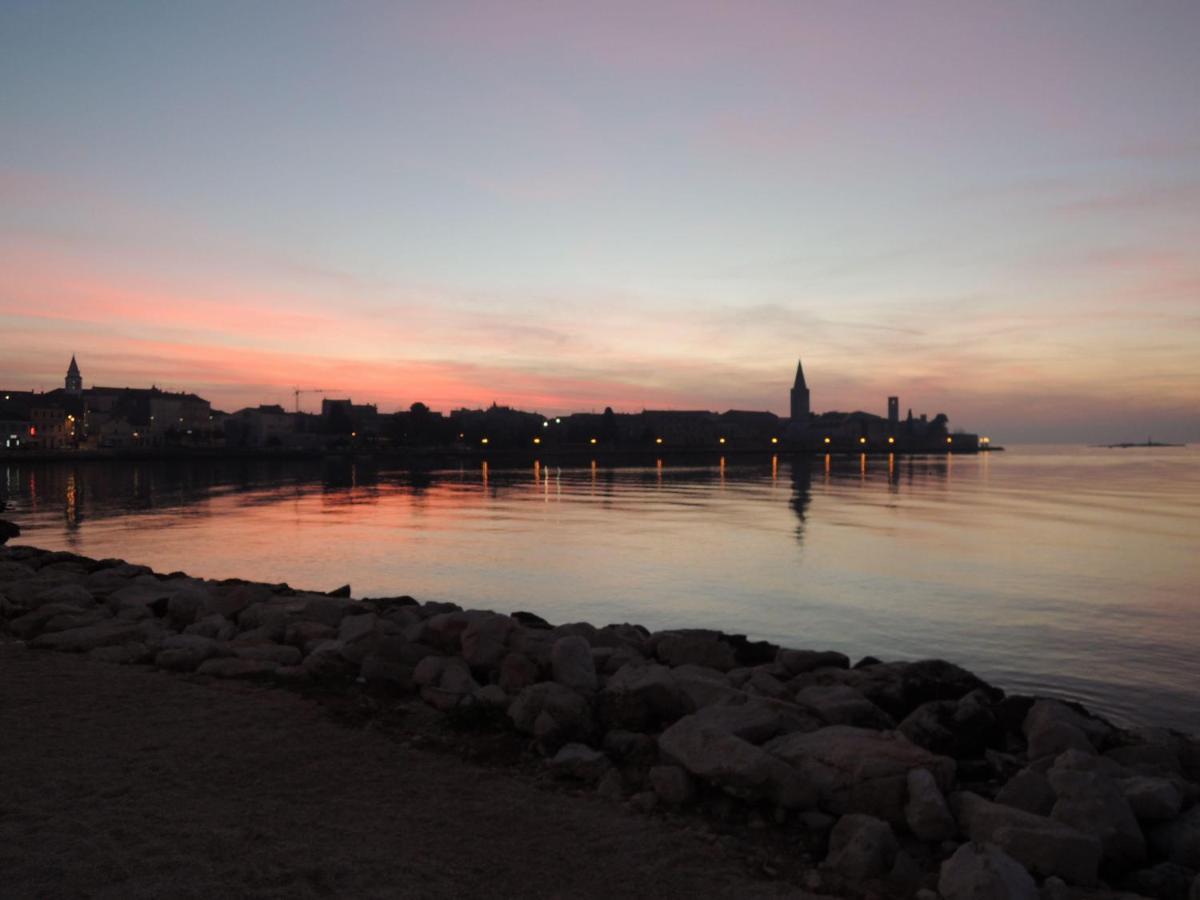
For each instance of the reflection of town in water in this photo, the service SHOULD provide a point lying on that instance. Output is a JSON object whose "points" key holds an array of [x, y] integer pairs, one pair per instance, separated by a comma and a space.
{"points": [[79, 492]]}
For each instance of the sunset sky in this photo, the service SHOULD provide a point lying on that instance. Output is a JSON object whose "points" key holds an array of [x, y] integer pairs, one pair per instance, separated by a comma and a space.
{"points": [[990, 209]]}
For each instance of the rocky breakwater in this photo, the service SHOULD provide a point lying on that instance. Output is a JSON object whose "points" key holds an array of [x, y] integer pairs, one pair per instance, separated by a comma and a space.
{"points": [[904, 779]]}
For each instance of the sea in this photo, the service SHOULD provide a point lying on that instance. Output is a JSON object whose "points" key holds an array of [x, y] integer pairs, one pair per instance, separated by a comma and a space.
{"points": [[1063, 571]]}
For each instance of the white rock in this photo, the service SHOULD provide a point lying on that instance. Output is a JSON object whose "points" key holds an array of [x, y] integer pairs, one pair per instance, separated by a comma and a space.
{"points": [[572, 664], [926, 812]]}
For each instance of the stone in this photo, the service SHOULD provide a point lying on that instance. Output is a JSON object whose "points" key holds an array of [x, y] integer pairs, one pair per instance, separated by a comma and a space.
{"points": [[765, 684], [326, 661], [279, 654], [985, 872], [752, 721], [445, 681], [213, 626], [185, 652], [184, 605], [1179, 839], [701, 686], [1052, 727], [484, 641], [444, 631], [572, 664], [517, 672], [702, 648], [1044, 846], [89, 637], [123, 654], [76, 618], [611, 786], [1165, 880], [232, 597], [642, 697], [568, 713], [857, 770], [963, 728], [630, 746], [48, 587], [672, 784], [8, 531], [380, 671], [1028, 790], [300, 633], [342, 592], [359, 636], [33, 622], [797, 662], [327, 610], [926, 812], [1092, 803], [839, 704], [735, 765], [1158, 757], [1151, 799], [492, 695], [579, 762], [235, 667], [861, 847]]}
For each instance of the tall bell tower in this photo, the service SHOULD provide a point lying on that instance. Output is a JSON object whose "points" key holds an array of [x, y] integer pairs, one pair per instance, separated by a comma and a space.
{"points": [[74, 381], [800, 408]]}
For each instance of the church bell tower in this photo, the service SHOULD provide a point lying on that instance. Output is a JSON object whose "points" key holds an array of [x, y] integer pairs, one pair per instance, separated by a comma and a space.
{"points": [[800, 409], [74, 381]]}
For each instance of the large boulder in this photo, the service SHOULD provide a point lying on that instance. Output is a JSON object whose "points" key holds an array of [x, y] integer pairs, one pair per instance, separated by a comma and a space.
{"points": [[81, 640], [642, 697], [266, 651], [861, 847], [185, 652], [735, 765], [963, 728], [694, 647], [798, 662], [8, 531], [1029, 790], [985, 872], [579, 762], [48, 587], [754, 720], [1152, 799], [856, 770], [1093, 804], [34, 622], [898, 688], [572, 664], [926, 812], [551, 712], [359, 636], [445, 681], [840, 704], [1179, 839], [484, 641], [1044, 846], [1052, 727], [327, 610]]}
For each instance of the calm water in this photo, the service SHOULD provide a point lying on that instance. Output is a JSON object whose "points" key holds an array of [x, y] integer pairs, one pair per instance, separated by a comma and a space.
{"points": [[1067, 571]]}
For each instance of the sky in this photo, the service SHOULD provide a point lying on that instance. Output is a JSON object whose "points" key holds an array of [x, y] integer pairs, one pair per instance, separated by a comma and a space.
{"points": [[989, 209]]}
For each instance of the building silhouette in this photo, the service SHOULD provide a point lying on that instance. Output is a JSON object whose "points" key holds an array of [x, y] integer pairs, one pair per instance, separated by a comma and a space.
{"points": [[74, 381], [800, 399]]}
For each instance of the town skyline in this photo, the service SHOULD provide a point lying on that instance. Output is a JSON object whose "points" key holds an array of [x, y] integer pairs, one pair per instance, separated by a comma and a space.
{"points": [[567, 209]]}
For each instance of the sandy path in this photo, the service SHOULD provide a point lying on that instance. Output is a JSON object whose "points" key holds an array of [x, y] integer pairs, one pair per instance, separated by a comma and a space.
{"points": [[126, 782]]}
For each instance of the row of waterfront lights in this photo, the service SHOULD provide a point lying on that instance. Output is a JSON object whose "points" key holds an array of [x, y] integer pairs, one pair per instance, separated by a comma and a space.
{"points": [[774, 440]]}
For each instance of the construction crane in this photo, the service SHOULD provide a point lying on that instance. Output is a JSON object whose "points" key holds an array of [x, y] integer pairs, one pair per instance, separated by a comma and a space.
{"points": [[296, 392]]}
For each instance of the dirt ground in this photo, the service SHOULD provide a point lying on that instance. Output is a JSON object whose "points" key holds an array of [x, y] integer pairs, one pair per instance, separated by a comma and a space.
{"points": [[128, 782]]}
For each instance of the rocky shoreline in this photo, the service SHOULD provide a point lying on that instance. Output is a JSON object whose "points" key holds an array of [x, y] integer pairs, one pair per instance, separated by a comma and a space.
{"points": [[903, 779]]}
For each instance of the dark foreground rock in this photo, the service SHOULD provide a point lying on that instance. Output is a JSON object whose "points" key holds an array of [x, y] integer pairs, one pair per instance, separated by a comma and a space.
{"points": [[906, 779]]}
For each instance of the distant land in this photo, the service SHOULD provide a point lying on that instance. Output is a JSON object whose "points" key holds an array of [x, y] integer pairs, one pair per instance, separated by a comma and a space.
{"points": [[104, 422]]}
